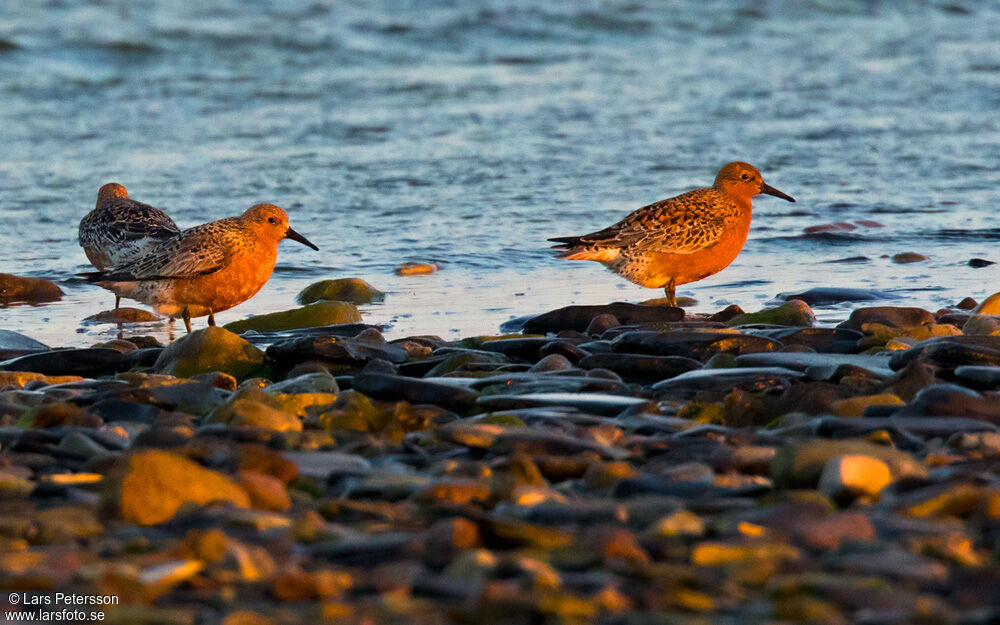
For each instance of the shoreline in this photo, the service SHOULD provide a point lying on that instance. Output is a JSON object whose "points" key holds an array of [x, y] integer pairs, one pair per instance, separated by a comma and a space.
{"points": [[607, 462]]}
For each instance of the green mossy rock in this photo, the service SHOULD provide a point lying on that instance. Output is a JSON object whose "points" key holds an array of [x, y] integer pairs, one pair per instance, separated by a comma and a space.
{"points": [[354, 290], [791, 313], [211, 349], [150, 487], [309, 316]]}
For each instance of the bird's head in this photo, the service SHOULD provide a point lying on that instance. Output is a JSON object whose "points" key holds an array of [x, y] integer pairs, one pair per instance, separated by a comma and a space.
{"points": [[270, 223], [742, 180]]}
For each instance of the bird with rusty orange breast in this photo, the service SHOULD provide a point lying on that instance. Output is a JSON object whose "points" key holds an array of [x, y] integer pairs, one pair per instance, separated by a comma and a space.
{"points": [[205, 269], [120, 229], [681, 239]]}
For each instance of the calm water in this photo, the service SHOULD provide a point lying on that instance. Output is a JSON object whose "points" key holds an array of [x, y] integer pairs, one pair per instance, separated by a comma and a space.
{"points": [[467, 132]]}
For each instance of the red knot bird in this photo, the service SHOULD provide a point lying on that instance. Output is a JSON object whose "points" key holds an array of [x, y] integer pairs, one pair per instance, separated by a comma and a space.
{"points": [[119, 229], [678, 240], [205, 269]]}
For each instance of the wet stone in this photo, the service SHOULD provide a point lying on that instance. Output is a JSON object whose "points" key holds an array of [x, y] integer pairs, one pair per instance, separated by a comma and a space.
{"points": [[579, 317], [87, 362], [792, 313], [336, 349], [825, 364], [823, 340], [893, 316], [952, 352], [700, 346], [801, 464], [552, 362], [414, 390], [568, 350], [587, 402], [354, 290], [601, 324], [30, 290], [317, 314], [979, 376], [211, 349], [826, 296], [522, 348], [123, 315], [150, 487], [641, 367], [751, 379], [941, 400]]}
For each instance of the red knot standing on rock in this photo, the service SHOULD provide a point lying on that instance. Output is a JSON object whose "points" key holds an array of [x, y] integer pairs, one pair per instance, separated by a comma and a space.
{"points": [[681, 239], [206, 269], [119, 229]]}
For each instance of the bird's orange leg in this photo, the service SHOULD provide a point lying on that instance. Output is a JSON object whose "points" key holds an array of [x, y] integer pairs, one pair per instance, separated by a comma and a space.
{"points": [[669, 290]]}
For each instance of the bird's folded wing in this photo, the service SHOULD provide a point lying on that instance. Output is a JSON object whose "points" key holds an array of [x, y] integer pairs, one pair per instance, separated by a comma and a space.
{"points": [[195, 252], [678, 225], [135, 220]]}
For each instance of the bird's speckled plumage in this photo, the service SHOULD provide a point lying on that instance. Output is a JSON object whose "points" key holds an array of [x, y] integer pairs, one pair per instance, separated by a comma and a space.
{"points": [[205, 269], [678, 240], [120, 229]]}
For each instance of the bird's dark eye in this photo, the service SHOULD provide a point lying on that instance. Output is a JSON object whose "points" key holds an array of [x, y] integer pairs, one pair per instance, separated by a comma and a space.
{"points": [[745, 176], [272, 220]]}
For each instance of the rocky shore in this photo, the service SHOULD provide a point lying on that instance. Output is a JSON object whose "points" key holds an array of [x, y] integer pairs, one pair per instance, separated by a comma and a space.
{"points": [[624, 463]]}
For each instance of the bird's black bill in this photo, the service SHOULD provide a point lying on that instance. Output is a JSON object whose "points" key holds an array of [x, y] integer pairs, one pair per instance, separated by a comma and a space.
{"points": [[295, 236], [768, 189]]}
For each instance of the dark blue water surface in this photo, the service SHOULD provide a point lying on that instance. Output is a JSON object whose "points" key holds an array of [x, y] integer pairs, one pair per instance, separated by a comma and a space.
{"points": [[466, 133]]}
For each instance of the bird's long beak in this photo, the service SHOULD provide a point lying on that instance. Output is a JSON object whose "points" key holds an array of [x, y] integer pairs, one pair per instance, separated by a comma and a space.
{"points": [[768, 189], [295, 236]]}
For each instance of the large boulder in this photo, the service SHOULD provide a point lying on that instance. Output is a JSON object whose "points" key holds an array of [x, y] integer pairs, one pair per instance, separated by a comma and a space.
{"points": [[309, 316], [150, 487], [354, 290], [211, 349]]}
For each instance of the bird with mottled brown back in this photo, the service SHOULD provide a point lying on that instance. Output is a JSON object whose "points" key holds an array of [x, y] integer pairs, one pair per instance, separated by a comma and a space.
{"points": [[681, 239], [120, 229], [208, 268]]}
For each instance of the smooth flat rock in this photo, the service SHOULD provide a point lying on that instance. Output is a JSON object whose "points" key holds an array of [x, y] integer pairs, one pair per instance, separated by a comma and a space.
{"points": [[823, 340], [825, 296], [751, 379], [10, 340], [641, 367], [414, 390], [801, 361], [943, 400], [579, 317], [322, 464], [697, 345], [338, 349], [593, 403], [317, 314], [892, 316], [979, 376], [952, 351], [87, 362]]}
